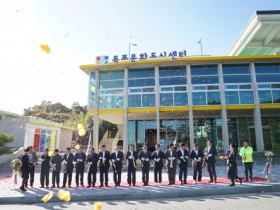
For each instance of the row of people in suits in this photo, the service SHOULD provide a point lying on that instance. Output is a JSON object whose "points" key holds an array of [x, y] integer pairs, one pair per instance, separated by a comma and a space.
{"points": [[103, 159]]}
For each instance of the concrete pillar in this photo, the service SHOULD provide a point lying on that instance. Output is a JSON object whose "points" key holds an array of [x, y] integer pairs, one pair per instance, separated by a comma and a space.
{"points": [[96, 115], [257, 111], [189, 82], [224, 109], [157, 98], [125, 114]]}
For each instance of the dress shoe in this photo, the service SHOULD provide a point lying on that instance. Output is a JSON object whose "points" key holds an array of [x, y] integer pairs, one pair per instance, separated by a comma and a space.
{"points": [[231, 185], [93, 185], [101, 185], [210, 182], [82, 185], [41, 187], [144, 184], [58, 186], [53, 186], [22, 189], [88, 186], [69, 186], [47, 186], [63, 186], [77, 186], [106, 185], [251, 179], [115, 185], [129, 185], [240, 181], [133, 185]]}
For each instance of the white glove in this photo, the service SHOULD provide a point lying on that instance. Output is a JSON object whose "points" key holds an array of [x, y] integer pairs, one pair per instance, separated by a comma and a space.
{"points": [[205, 153], [104, 159], [118, 159], [199, 159], [186, 157], [131, 157], [158, 159], [195, 159], [182, 157], [155, 159], [100, 158], [169, 158], [89, 163], [113, 160], [142, 158], [53, 165], [209, 155], [147, 159]]}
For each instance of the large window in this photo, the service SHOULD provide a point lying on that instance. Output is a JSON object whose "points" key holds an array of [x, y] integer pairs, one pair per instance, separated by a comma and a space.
{"points": [[236, 73], [111, 84], [239, 94], [173, 86], [91, 90], [206, 95], [268, 79], [205, 74], [141, 83]]}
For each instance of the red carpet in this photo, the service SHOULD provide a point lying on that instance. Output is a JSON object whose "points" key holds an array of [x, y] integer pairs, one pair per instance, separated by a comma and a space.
{"points": [[164, 183]]}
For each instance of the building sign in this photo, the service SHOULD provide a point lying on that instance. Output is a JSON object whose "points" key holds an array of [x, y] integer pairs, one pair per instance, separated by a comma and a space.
{"points": [[145, 56], [102, 59]]}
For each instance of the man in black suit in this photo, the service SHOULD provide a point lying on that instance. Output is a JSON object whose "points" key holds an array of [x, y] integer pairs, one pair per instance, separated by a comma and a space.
{"points": [[117, 158], [158, 156], [68, 159], [56, 167], [197, 156], [92, 160], [80, 159], [171, 157], [183, 156], [131, 157], [24, 169], [210, 153], [104, 164], [45, 168], [145, 157], [32, 161]]}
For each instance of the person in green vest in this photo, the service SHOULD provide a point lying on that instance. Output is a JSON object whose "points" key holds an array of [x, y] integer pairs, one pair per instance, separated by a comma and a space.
{"points": [[246, 152]]}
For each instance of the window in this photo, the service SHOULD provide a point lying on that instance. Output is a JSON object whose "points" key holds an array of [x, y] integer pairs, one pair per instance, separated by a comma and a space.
{"points": [[276, 96], [180, 99], [232, 97], [199, 98], [134, 100], [205, 74], [239, 73], [148, 100], [265, 96], [246, 97], [213, 98], [166, 99]]}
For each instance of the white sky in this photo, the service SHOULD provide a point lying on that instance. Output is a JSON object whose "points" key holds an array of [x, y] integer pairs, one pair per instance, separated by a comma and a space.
{"points": [[79, 30]]}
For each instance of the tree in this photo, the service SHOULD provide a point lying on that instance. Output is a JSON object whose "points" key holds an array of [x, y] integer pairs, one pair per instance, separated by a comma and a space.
{"points": [[4, 139]]}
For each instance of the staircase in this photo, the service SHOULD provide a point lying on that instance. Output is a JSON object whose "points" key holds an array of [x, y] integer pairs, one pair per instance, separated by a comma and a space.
{"points": [[110, 140]]}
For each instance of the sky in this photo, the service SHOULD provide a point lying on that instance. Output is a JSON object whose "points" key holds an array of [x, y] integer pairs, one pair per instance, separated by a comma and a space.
{"points": [[78, 31]]}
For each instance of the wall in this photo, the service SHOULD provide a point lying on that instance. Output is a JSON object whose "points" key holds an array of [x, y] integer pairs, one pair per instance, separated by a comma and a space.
{"points": [[16, 127], [65, 139]]}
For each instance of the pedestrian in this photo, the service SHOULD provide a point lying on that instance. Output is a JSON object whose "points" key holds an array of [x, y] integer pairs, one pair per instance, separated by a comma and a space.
{"points": [[145, 157], [232, 165], [246, 152], [92, 160], [183, 156], [171, 157], [131, 157], [158, 157], [56, 167], [210, 154], [80, 159], [32, 162], [117, 158], [24, 169], [197, 156], [45, 169], [104, 165], [68, 166]]}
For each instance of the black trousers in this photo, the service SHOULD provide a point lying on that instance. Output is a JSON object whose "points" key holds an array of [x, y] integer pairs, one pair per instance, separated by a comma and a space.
{"points": [[232, 174], [117, 176], [197, 172], [67, 174], [25, 177], [31, 172], [145, 175], [212, 171], [80, 174], [104, 174], [131, 175], [158, 174], [183, 173], [248, 170], [171, 175], [92, 175], [56, 177], [44, 177]]}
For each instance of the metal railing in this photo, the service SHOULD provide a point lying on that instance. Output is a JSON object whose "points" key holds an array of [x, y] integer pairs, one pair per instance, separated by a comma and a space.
{"points": [[104, 139]]}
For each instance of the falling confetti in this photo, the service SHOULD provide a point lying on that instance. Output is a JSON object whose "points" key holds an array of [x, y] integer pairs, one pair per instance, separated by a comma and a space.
{"points": [[46, 48], [47, 197], [97, 206]]}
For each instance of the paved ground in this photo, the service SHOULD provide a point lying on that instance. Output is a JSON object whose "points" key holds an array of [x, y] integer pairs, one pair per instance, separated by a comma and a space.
{"points": [[34, 195], [230, 202]]}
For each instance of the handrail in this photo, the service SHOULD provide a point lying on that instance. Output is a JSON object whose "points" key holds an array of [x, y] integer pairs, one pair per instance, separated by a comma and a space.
{"points": [[116, 140], [104, 139]]}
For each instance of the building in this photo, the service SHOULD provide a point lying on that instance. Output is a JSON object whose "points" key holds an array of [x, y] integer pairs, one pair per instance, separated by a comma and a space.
{"points": [[189, 99], [39, 133]]}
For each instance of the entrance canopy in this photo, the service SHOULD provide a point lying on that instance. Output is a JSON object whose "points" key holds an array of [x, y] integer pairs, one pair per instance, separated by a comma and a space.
{"points": [[261, 36]]}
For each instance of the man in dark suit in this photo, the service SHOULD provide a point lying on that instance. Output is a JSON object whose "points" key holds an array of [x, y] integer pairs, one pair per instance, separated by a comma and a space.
{"points": [[210, 153], [32, 161], [68, 159], [171, 157], [131, 157], [104, 164], [158, 156], [117, 158], [197, 156], [92, 160], [56, 167], [45, 168], [80, 159], [183, 156], [145, 157], [24, 169]]}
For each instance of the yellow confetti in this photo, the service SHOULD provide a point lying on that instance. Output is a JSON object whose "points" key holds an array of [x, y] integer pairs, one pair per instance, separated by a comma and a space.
{"points": [[47, 197], [82, 132], [46, 48], [97, 206]]}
